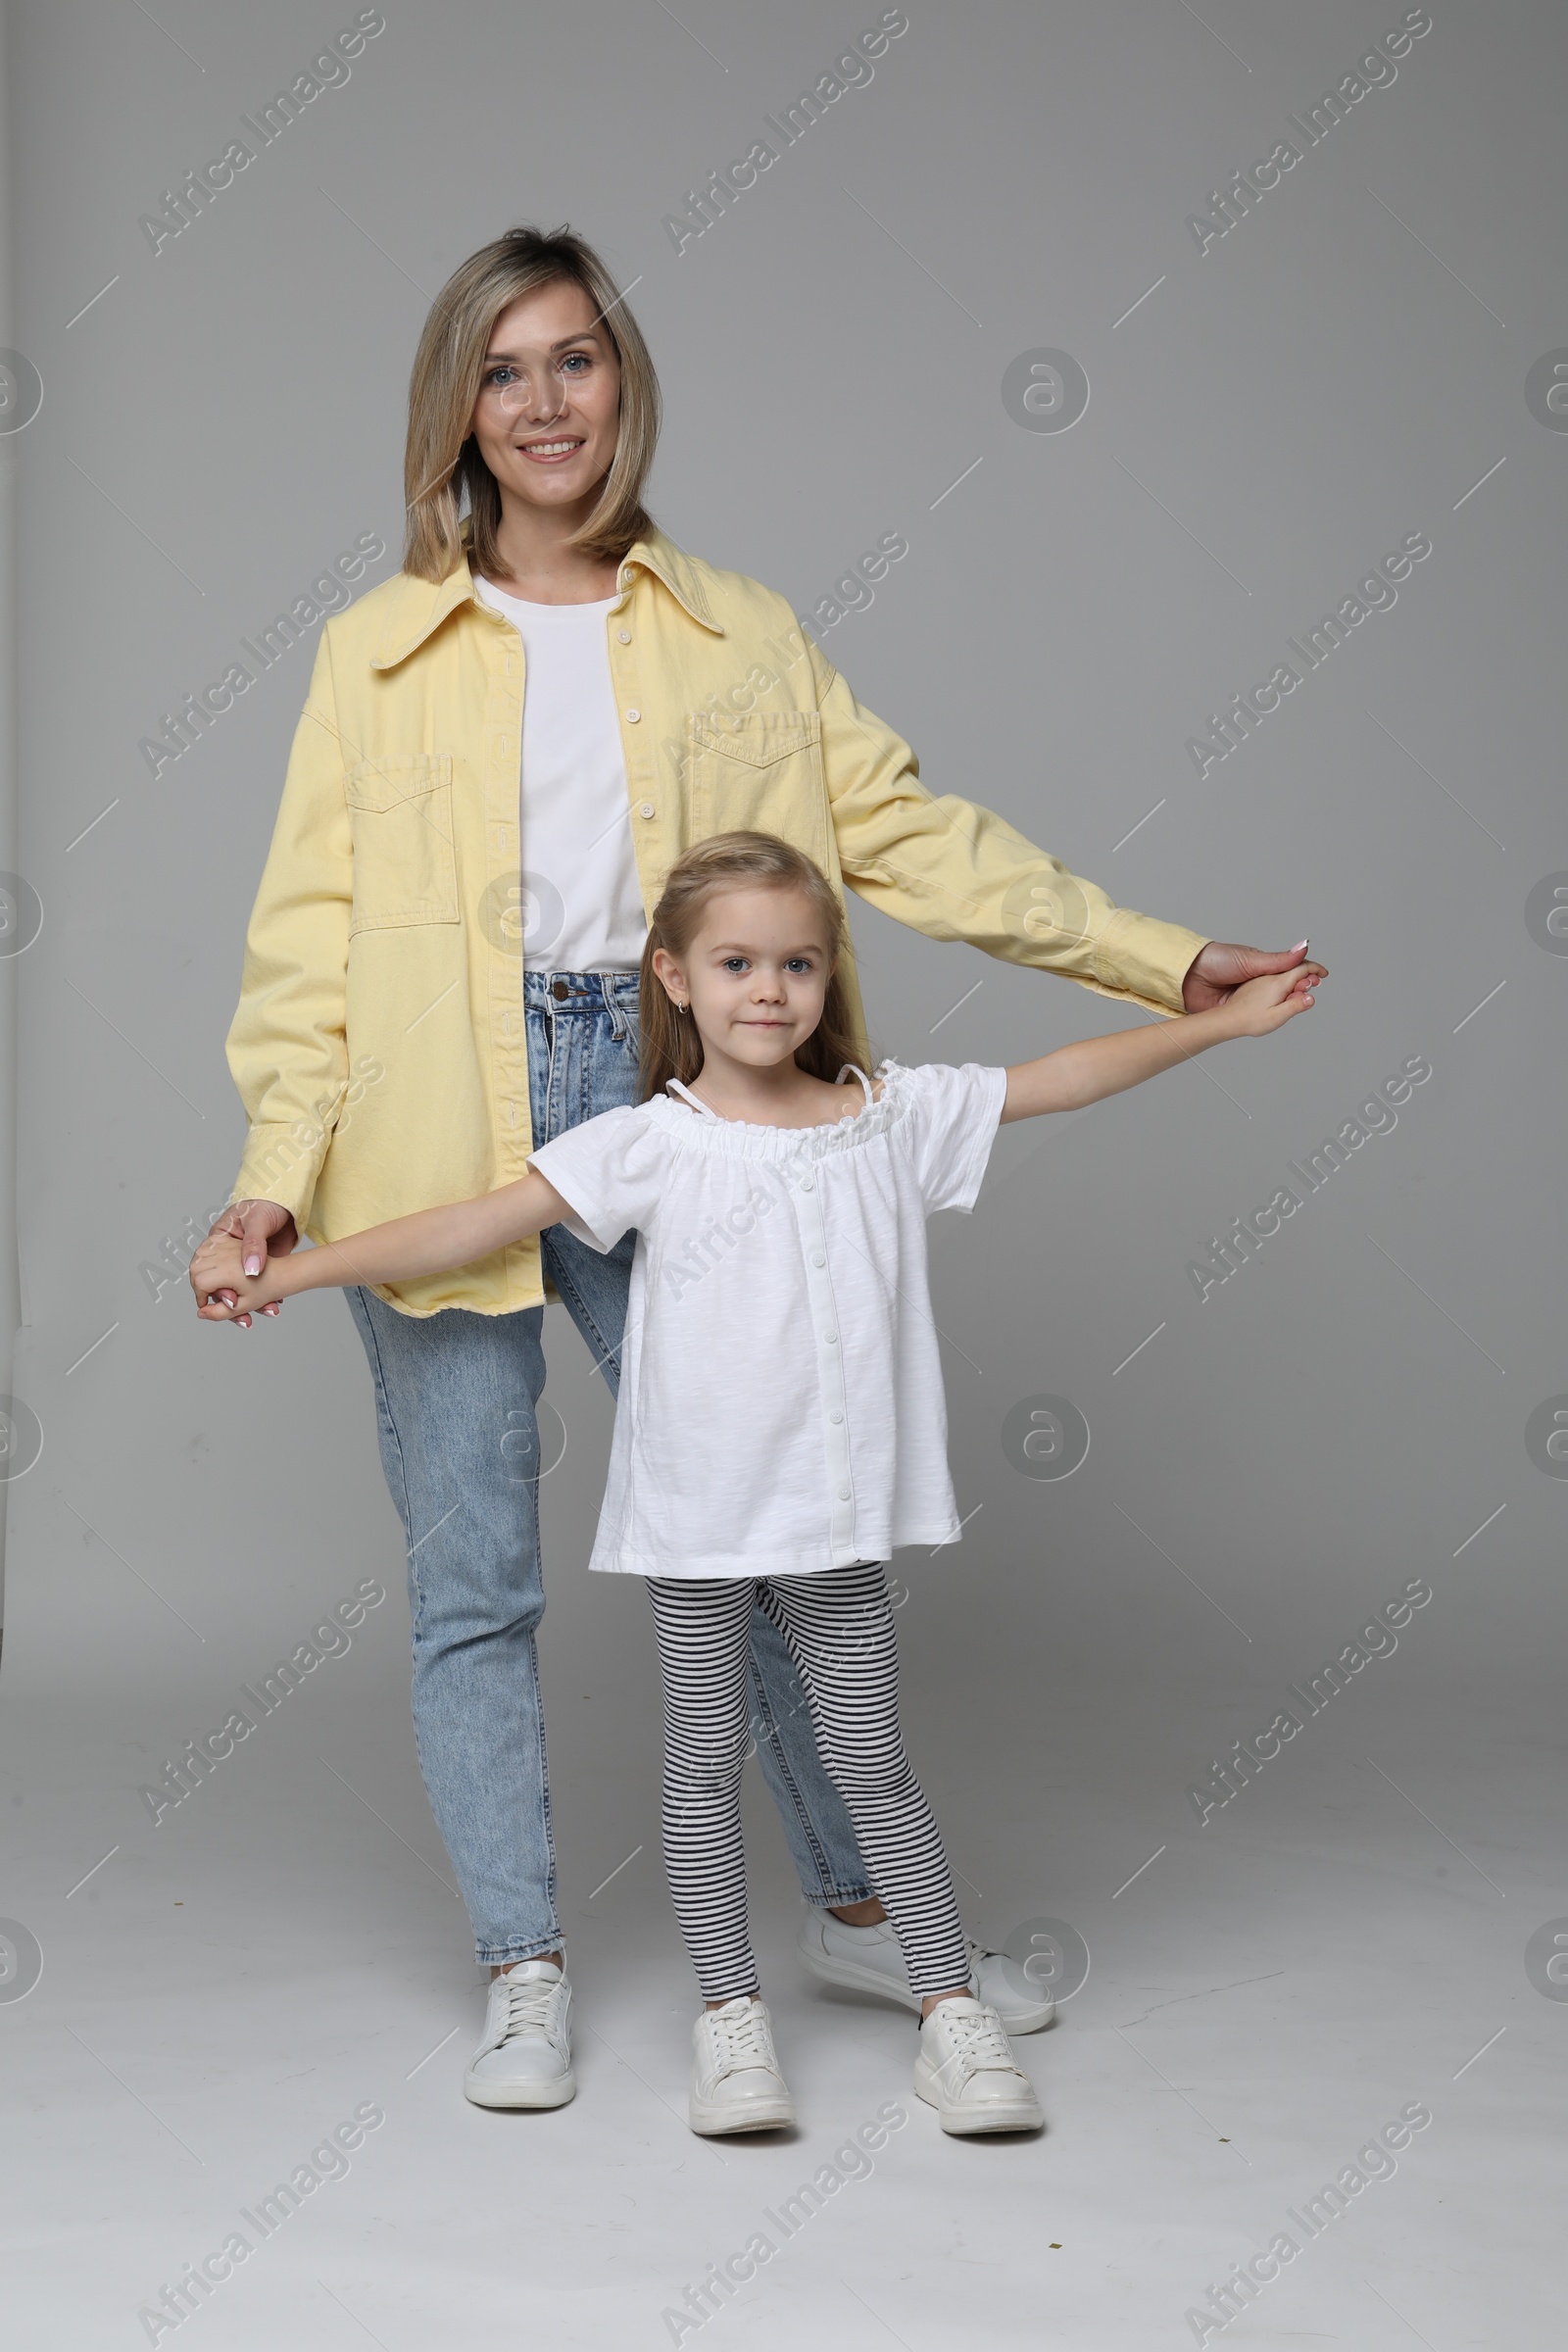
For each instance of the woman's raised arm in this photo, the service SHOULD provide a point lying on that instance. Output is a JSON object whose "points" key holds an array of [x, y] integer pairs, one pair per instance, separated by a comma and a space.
{"points": [[956, 870]]}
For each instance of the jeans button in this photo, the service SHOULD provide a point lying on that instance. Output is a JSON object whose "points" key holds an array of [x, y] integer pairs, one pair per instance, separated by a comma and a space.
{"points": [[559, 989]]}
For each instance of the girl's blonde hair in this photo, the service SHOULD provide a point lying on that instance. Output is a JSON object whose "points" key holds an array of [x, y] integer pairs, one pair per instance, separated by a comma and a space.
{"points": [[671, 1045], [442, 457]]}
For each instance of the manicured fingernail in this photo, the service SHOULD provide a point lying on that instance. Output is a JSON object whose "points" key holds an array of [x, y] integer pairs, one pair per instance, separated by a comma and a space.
{"points": [[253, 1265], [1295, 950]]}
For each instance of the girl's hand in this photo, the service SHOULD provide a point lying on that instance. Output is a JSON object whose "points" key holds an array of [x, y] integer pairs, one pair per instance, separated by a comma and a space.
{"points": [[219, 1267], [1259, 1007]]}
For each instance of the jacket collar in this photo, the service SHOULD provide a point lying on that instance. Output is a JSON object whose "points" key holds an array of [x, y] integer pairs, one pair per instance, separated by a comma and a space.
{"points": [[677, 571], [415, 608]]}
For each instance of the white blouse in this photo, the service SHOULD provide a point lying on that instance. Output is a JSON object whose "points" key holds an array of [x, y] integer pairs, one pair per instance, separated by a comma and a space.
{"points": [[580, 904], [781, 1408]]}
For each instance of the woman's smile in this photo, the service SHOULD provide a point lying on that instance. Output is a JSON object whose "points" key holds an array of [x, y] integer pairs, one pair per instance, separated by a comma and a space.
{"points": [[549, 453]]}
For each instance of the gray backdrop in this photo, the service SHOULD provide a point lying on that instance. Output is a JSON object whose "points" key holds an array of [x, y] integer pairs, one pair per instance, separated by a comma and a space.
{"points": [[1270, 412]]}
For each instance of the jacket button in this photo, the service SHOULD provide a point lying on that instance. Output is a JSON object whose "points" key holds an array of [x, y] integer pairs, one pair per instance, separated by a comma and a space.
{"points": [[634, 714], [625, 635], [646, 808]]}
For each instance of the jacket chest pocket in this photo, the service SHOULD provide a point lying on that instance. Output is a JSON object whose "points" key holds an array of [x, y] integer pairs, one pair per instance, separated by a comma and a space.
{"points": [[758, 772], [405, 868]]}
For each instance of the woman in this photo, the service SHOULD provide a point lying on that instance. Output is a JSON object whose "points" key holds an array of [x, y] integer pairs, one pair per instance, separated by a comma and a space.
{"points": [[449, 928]]}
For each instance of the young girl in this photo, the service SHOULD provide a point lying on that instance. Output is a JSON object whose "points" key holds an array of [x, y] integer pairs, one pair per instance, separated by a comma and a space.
{"points": [[781, 1427]]}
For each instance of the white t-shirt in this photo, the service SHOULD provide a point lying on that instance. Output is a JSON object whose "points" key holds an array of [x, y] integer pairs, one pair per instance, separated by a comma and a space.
{"points": [[781, 1409], [582, 907]]}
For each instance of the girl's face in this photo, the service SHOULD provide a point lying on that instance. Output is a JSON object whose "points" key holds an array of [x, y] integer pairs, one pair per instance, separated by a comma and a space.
{"points": [[549, 405], [755, 974]]}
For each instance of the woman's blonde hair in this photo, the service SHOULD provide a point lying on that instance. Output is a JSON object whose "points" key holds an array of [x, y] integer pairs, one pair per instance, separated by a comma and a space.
{"points": [[670, 1047], [442, 458]]}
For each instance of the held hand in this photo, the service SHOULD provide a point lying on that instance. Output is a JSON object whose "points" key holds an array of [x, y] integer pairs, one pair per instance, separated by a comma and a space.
{"points": [[1259, 1007], [1219, 969], [263, 1229], [224, 1292]]}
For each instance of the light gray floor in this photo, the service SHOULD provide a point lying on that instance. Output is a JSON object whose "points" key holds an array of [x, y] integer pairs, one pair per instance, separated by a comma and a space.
{"points": [[1266, 1995]]}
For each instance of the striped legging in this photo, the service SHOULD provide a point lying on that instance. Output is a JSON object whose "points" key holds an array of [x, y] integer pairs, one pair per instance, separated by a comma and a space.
{"points": [[839, 1628]]}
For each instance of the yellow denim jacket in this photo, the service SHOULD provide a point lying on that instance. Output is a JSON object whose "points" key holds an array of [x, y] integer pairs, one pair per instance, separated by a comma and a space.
{"points": [[379, 1043]]}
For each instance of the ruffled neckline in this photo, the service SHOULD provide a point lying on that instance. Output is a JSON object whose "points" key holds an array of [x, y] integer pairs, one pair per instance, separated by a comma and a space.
{"points": [[741, 1139]]}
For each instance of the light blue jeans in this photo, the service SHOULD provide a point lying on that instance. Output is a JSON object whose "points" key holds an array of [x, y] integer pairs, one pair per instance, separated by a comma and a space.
{"points": [[456, 1399]]}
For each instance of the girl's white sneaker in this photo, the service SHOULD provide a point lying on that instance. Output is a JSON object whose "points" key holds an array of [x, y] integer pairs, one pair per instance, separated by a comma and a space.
{"points": [[966, 2071], [736, 2085]]}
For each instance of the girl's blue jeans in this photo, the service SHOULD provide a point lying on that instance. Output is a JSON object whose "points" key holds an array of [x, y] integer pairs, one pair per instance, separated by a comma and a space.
{"points": [[456, 1399]]}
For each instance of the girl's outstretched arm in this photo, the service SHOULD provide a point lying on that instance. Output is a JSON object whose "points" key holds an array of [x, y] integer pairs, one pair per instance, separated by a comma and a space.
{"points": [[1105, 1065], [430, 1242]]}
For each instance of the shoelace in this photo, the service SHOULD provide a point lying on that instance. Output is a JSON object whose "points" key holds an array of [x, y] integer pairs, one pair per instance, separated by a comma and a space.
{"points": [[528, 2003], [741, 2039], [978, 2040]]}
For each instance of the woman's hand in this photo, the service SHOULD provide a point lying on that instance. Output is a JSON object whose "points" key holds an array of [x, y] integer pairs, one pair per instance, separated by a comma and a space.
{"points": [[1218, 971], [224, 1292], [264, 1229]]}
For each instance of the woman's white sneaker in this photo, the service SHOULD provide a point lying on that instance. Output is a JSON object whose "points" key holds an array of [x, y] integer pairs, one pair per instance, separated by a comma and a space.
{"points": [[868, 1960], [966, 2071], [525, 2058], [736, 2085]]}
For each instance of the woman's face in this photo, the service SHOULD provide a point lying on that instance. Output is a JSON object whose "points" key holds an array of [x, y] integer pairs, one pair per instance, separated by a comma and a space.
{"points": [[549, 405]]}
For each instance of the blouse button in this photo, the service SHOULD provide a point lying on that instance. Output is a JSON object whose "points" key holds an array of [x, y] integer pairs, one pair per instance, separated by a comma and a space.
{"points": [[818, 1259], [807, 1183], [835, 1414], [831, 1337], [844, 1494]]}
